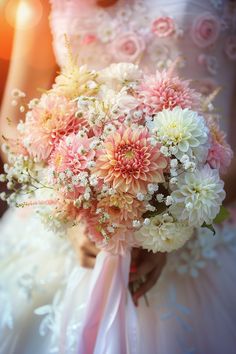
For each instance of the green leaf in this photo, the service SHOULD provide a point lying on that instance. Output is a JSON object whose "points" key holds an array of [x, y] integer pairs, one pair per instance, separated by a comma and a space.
{"points": [[223, 215], [210, 227]]}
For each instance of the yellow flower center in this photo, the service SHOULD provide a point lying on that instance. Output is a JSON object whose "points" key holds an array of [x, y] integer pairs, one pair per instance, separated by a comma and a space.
{"points": [[129, 154]]}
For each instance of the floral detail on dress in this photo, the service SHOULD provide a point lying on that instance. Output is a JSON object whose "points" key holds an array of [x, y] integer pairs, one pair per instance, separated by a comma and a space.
{"points": [[163, 26], [205, 30], [210, 62], [230, 47], [127, 47], [203, 248]]}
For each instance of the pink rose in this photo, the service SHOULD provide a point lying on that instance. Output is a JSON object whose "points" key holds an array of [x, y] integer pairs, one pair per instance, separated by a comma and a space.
{"points": [[230, 47], [205, 30], [88, 39], [127, 47], [163, 26]]}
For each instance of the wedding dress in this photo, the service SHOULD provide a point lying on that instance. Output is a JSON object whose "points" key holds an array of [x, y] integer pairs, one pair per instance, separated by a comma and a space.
{"points": [[192, 308]]}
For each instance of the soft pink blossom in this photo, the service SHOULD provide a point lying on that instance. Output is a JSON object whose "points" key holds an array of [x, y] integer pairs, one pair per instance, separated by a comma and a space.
{"points": [[230, 47], [166, 91], [127, 47], [128, 161], [163, 26], [220, 153], [88, 39], [48, 122], [72, 153], [205, 30]]}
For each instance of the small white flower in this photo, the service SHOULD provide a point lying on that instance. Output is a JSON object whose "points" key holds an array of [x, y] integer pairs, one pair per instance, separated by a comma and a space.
{"points": [[150, 207], [2, 178], [169, 200], [93, 180], [136, 223], [152, 188], [160, 197], [164, 150], [146, 221], [3, 196], [173, 180], [173, 172], [173, 163], [110, 229], [140, 196]]}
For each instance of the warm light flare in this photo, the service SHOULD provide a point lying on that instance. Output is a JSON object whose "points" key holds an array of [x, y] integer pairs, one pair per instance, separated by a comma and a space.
{"points": [[24, 14]]}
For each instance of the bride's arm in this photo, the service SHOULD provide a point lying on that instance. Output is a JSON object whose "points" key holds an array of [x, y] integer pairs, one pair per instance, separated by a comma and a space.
{"points": [[32, 66]]}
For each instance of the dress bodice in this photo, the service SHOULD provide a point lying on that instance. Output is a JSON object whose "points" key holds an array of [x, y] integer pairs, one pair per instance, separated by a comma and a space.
{"points": [[154, 33]]}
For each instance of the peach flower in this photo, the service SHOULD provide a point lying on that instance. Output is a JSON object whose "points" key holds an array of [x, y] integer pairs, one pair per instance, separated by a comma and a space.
{"points": [[129, 162], [205, 30], [122, 207], [163, 26], [127, 47], [48, 122]]}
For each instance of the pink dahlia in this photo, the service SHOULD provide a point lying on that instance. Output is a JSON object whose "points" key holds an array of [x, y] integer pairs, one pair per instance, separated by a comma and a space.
{"points": [[129, 162], [72, 153], [166, 91], [48, 122], [220, 153]]}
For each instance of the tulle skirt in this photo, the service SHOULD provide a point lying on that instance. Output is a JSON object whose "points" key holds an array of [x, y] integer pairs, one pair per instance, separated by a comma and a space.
{"points": [[44, 295]]}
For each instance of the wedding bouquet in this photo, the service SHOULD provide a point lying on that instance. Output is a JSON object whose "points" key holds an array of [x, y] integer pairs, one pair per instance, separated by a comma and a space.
{"points": [[136, 157]]}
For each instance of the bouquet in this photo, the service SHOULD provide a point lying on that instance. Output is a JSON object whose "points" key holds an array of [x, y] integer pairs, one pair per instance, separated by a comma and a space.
{"points": [[134, 156]]}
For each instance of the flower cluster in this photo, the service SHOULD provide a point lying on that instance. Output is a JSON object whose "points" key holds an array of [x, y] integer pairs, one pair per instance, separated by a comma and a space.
{"points": [[133, 156]]}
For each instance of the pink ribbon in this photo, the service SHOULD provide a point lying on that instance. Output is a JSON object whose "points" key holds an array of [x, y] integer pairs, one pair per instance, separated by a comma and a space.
{"points": [[110, 323]]}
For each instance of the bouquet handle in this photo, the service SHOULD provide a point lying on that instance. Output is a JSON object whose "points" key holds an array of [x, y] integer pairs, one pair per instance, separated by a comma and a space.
{"points": [[110, 323]]}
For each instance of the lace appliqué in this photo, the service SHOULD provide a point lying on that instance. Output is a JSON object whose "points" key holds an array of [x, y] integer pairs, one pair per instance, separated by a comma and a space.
{"points": [[203, 248]]}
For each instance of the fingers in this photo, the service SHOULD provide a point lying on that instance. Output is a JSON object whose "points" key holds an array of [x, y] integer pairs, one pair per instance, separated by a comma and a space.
{"points": [[86, 261], [85, 248], [150, 281], [88, 247], [142, 269]]}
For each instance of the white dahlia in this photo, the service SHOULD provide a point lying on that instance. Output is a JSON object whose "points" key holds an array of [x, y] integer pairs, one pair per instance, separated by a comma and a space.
{"points": [[183, 129], [163, 235], [116, 75], [198, 196]]}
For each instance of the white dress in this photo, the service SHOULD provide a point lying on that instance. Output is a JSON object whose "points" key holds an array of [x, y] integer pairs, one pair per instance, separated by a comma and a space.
{"points": [[192, 308]]}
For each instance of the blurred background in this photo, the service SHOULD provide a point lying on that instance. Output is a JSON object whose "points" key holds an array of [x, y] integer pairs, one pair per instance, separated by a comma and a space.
{"points": [[6, 41]]}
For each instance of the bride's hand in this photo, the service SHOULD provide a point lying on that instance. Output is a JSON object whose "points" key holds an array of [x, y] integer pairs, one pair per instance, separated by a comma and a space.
{"points": [[85, 249], [146, 268]]}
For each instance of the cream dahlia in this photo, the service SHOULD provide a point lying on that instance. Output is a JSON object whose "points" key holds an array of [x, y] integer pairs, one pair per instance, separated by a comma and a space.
{"points": [[198, 196], [51, 119], [184, 129], [163, 235], [165, 91], [129, 162], [116, 75], [75, 81]]}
